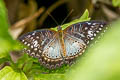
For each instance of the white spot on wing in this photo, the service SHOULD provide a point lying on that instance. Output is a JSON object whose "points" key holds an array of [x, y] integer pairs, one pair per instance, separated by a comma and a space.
{"points": [[101, 25], [90, 33], [43, 42], [97, 31], [87, 42], [34, 33], [33, 53], [92, 38], [28, 51], [94, 34], [31, 46], [88, 23], [86, 28], [92, 26], [35, 49], [25, 42], [82, 35], [37, 37], [28, 44], [35, 43], [95, 23], [100, 29], [39, 51], [29, 36]]}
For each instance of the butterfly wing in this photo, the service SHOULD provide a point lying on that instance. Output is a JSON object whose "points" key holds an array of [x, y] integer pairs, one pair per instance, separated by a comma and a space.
{"points": [[74, 47], [77, 37], [53, 54], [43, 44]]}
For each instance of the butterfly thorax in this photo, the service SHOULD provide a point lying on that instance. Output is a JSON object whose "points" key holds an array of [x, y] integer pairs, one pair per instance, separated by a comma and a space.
{"points": [[61, 36], [60, 31]]}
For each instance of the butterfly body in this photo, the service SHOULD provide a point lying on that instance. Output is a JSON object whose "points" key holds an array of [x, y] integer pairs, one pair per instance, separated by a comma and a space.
{"points": [[55, 48]]}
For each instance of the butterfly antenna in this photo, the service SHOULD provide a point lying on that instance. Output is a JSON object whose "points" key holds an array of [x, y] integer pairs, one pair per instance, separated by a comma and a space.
{"points": [[67, 16], [52, 18]]}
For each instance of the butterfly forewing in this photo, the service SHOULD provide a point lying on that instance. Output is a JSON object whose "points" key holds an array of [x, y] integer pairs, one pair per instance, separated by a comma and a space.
{"points": [[85, 31]]}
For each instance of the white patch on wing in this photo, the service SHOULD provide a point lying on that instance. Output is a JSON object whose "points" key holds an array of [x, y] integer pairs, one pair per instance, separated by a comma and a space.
{"points": [[88, 23], [90, 33], [35, 43], [43, 41], [52, 49], [73, 45]]}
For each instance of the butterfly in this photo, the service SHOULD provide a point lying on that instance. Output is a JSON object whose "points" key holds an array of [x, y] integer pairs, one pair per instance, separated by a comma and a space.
{"points": [[55, 48]]}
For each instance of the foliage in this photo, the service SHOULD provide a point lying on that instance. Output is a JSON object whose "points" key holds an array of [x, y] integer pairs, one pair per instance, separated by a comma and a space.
{"points": [[84, 17], [8, 73], [116, 3], [7, 44], [6, 41]]}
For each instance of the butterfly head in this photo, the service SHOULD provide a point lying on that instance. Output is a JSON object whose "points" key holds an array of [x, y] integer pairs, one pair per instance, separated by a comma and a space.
{"points": [[59, 28]]}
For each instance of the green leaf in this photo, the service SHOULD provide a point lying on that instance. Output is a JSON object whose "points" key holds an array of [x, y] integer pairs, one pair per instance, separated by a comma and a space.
{"points": [[84, 17], [50, 77], [2, 60], [3, 17], [21, 61], [7, 73], [102, 61], [116, 3], [39, 73], [6, 42], [28, 65]]}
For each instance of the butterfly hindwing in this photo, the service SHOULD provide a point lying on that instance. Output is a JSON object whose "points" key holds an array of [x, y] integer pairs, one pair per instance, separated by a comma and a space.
{"points": [[52, 54]]}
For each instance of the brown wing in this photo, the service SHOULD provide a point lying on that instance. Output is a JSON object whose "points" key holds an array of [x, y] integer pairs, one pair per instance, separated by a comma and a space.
{"points": [[77, 37], [43, 44]]}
